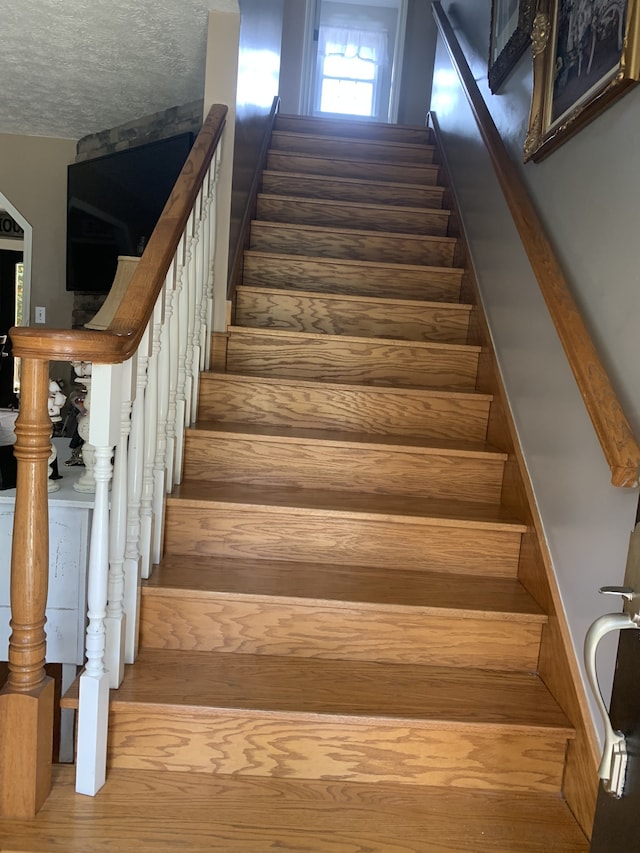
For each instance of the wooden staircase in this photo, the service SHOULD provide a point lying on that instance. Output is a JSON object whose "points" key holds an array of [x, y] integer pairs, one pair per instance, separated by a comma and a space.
{"points": [[339, 603]]}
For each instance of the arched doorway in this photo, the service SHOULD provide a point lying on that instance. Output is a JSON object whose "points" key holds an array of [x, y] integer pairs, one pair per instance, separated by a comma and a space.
{"points": [[15, 288]]}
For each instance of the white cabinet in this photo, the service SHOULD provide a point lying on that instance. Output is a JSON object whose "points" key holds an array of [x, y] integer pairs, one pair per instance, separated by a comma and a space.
{"points": [[69, 530]]}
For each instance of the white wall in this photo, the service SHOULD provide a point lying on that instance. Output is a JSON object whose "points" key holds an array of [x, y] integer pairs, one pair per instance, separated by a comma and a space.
{"points": [[33, 177], [587, 200]]}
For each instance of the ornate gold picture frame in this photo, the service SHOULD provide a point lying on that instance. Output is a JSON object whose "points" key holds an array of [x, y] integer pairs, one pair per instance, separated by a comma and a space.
{"points": [[511, 22], [586, 54]]}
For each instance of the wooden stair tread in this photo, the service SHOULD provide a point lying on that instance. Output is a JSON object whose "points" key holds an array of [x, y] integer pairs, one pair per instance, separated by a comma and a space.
{"points": [[344, 586], [382, 209], [162, 812], [410, 510], [356, 263], [356, 232], [391, 301], [438, 696], [356, 182], [364, 149], [389, 390], [336, 438], [434, 346]]}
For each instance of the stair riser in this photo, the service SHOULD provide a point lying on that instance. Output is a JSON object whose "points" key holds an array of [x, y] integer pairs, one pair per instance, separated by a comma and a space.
{"points": [[343, 632], [358, 149], [312, 186], [302, 313], [280, 161], [360, 245], [301, 535], [354, 129], [345, 277], [336, 360], [273, 744], [340, 215], [310, 465], [351, 408]]}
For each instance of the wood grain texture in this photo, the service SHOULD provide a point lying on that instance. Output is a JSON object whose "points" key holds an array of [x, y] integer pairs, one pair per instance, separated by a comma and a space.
{"points": [[359, 148], [165, 812], [354, 408], [331, 314], [354, 128], [350, 214], [349, 359], [198, 525], [342, 586], [619, 445], [278, 623], [346, 276], [319, 461], [404, 173], [305, 688], [352, 244], [351, 189], [276, 744]]}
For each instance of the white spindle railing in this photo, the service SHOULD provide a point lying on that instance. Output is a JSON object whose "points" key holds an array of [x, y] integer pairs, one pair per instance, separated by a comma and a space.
{"points": [[141, 409]]}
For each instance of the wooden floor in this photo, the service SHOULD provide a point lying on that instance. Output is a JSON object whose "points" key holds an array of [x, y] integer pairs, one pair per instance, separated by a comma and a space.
{"points": [[145, 811]]}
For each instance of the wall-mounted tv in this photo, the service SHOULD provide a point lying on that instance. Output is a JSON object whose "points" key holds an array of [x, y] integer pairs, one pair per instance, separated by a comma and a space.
{"points": [[113, 204]]}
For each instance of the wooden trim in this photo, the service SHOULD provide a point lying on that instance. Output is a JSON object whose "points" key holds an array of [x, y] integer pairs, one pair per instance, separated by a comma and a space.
{"points": [[122, 337], [616, 438], [557, 664], [236, 266]]}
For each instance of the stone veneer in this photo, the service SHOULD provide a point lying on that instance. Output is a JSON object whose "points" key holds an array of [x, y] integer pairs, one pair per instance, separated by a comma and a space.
{"points": [[183, 119]]}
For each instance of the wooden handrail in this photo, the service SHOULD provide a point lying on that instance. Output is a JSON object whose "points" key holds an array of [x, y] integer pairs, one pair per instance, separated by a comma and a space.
{"points": [[121, 339], [614, 432]]}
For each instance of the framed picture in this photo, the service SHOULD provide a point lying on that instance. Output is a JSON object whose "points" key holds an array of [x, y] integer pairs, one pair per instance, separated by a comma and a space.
{"points": [[511, 23], [586, 54]]}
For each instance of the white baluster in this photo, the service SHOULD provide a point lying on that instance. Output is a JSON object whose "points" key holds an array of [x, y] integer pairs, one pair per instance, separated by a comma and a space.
{"points": [[190, 303], [183, 328], [135, 464], [159, 468], [198, 290], [206, 266], [93, 708], [150, 438], [173, 449], [213, 175], [116, 615]]}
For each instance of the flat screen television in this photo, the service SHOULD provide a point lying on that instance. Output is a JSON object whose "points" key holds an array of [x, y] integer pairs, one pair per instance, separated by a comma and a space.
{"points": [[113, 204]]}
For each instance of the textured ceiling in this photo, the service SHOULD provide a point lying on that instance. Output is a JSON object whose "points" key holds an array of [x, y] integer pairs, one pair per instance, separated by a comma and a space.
{"points": [[73, 67]]}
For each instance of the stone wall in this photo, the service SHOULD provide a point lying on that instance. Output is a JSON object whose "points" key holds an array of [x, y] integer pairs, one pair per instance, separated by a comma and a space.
{"points": [[184, 119], [187, 118]]}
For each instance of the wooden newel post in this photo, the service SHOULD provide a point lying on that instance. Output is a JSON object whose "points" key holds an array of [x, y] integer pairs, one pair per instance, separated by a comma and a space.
{"points": [[26, 701]]}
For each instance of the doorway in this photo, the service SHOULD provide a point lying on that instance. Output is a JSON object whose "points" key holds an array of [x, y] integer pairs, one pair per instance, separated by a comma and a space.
{"points": [[354, 58], [11, 293]]}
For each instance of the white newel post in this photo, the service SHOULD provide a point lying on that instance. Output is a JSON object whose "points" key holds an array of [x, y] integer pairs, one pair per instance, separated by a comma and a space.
{"points": [[93, 707], [147, 520], [135, 474], [116, 614]]}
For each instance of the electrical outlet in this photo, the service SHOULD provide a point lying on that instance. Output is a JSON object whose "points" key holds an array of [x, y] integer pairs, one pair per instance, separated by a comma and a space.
{"points": [[41, 315]]}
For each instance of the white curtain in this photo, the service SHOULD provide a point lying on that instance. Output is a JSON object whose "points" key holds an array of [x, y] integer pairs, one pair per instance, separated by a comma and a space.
{"points": [[350, 43]]}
